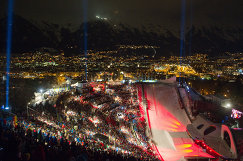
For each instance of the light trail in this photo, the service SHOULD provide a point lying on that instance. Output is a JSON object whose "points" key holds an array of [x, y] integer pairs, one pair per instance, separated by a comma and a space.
{"points": [[182, 34], [8, 47], [190, 36], [85, 5]]}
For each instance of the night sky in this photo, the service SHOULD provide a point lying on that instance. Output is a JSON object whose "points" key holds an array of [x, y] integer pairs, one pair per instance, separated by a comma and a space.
{"points": [[222, 13]]}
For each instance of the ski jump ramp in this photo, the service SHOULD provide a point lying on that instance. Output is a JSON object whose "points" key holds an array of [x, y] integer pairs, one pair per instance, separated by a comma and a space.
{"points": [[161, 107]]}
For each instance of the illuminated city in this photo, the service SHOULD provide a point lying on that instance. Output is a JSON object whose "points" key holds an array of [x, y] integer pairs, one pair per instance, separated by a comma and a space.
{"points": [[130, 80]]}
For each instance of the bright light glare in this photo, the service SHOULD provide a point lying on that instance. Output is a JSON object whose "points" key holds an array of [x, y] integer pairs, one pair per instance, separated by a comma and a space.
{"points": [[41, 90], [228, 105]]}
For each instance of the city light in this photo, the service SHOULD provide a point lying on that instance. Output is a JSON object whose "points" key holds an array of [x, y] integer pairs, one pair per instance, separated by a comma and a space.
{"points": [[101, 18], [236, 114]]}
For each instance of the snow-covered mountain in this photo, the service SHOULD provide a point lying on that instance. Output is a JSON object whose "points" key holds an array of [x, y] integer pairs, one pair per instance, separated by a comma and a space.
{"points": [[104, 35]]}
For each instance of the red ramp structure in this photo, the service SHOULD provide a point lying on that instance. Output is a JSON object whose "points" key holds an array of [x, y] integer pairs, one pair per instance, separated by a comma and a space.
{"points": [[161, 107]]}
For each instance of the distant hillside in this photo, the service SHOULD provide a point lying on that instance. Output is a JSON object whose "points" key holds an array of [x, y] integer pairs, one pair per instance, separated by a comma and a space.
{"points": [[215, 40], [25, 35], [103, 35]]}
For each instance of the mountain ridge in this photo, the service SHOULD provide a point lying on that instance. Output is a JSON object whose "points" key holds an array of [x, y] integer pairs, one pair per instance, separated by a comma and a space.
{"points": [[104, 35]]}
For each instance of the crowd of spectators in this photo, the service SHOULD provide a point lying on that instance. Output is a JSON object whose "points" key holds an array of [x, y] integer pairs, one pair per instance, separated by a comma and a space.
{"points": [[98, 124], [19, 144]]}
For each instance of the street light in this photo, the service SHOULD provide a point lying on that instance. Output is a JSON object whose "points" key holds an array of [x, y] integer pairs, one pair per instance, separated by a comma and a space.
{"points": [[228, 105], [41, 90]]}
